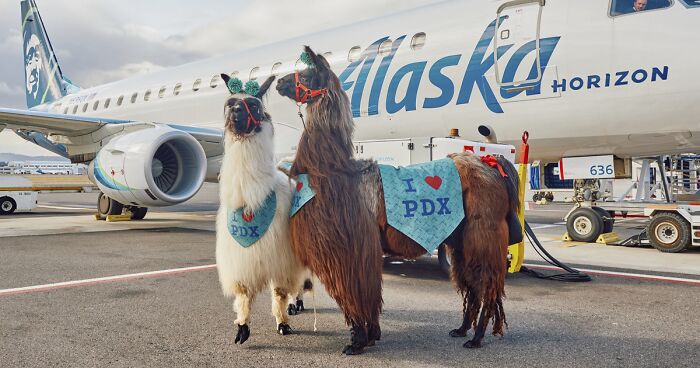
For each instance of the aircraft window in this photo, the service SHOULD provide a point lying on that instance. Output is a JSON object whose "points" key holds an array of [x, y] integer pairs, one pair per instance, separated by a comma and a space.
{"points": [[177, 89], [214, 81], [622, 7], [147, 95], [254, 73], [275, 68], [196, 85], [85, 106], [234, 74], [418, 41], [120, 100], [95, 105], [134, 97], [385, 47], [354, 53], [161, 92], [107, 101], [75, 109], [65, 112]]}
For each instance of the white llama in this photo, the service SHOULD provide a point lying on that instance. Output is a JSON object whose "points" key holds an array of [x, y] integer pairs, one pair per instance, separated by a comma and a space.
{"points": [[252, 237]]}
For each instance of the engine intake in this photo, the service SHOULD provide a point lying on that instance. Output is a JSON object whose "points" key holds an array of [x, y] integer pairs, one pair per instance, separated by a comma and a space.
{"points": [[151, 167]]}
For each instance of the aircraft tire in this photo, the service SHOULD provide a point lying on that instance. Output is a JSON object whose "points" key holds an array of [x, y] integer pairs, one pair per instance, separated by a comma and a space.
{"points": [[584, 225], [608, 219], [138, 213], [107, 206]]}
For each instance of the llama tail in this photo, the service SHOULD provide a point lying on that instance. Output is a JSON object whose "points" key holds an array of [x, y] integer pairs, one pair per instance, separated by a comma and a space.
{"points": [[515, 231], [512, 184]]}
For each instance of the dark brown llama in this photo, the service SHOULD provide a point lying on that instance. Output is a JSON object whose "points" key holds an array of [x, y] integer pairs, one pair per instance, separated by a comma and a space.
{"points": [[342, 233]]}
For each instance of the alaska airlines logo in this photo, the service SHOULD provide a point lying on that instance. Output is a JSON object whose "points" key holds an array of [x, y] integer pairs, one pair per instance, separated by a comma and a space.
{"points": [[474, 77], [32, 65]]}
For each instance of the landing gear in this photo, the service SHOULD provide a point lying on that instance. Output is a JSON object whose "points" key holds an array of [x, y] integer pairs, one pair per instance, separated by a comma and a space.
{"points": [[584, 225], [109, 207], [444, 259]]}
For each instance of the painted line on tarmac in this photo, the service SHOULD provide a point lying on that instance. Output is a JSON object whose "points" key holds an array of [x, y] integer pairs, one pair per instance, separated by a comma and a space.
{"points": [[65, 208], [103, 280], [626, 275], [544, 226]]}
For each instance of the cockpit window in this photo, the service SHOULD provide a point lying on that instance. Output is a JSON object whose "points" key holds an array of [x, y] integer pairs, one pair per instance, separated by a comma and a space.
{"points": [[622, 7]]}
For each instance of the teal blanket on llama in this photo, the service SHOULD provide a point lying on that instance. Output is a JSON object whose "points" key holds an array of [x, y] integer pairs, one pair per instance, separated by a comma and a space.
{"points": [[423, 201]]}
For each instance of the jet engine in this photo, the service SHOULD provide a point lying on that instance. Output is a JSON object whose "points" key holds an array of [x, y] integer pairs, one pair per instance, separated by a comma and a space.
{"points": [[152, 167]]}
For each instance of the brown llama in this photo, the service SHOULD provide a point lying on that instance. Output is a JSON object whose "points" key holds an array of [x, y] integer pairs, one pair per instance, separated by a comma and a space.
{"points": [[342, 233]]}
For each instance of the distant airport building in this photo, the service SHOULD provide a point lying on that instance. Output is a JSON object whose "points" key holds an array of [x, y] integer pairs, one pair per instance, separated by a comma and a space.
{"points": [[41, 167]]}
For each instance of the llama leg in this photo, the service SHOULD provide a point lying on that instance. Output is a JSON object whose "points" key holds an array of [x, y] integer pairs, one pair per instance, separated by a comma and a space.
{"points": [[296, 302], [480, 330], [374, 332], [279, 305], [358, 340], [242, 306], [467, 301]]}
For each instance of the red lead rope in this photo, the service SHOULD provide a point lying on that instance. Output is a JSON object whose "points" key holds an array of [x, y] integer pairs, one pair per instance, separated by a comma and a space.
{"points": [[491, 161], [308, 93]]}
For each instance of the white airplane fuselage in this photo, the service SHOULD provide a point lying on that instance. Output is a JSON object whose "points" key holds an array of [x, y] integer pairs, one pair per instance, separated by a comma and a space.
{"points": [[624, 85]]}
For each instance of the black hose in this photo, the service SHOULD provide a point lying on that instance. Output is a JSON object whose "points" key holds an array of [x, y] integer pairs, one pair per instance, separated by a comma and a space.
{"points": [[571, 275]]}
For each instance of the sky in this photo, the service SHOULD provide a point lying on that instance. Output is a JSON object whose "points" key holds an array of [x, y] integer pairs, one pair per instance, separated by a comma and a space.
{"points": [[100, 41]]}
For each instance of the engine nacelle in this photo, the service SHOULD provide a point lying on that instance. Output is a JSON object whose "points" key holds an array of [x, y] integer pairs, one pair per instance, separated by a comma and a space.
{"points": [[150, 167]]}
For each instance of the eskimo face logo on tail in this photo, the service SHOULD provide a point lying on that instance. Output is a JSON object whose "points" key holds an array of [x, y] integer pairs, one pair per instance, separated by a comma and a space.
{"points": [[33, 65], [479, 67]]}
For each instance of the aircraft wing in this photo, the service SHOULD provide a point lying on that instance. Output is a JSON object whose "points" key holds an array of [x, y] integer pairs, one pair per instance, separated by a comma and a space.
{"points": [[24, 121], [49, 123]]}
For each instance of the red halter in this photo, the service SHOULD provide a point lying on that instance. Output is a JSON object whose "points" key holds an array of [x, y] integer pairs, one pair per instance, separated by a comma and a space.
{"points": [[308, 92], [250, 116]]}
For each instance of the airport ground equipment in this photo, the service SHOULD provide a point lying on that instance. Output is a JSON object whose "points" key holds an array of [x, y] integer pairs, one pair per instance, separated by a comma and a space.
{"points": [[20, 192], [666, 192]]}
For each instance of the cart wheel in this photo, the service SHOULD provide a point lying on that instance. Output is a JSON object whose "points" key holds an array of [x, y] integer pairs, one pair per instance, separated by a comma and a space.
{"points": [[444, 259], [536, 197], [608, 219], [7, 205], [668, 232], [584, 225], [549, 197], [108, 206]]}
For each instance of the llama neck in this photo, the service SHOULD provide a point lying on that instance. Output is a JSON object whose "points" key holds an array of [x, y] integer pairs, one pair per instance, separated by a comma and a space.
{"points": [[326, 144], [248, 170]]}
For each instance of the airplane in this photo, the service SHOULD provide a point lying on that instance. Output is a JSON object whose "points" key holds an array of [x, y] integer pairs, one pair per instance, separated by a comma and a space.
{"points": [[583, 77]]}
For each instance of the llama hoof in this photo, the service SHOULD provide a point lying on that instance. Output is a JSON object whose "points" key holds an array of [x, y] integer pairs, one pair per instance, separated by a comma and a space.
{"points": [[284, 329], [458, 333], [308, 285], [292, 310], [242, 335], [300, 305], [353, 350], [471, 344]]}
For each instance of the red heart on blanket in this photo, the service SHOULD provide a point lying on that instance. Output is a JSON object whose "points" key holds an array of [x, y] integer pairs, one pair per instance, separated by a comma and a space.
{"points": [[299, 186], [248, 216], [434, 181]]}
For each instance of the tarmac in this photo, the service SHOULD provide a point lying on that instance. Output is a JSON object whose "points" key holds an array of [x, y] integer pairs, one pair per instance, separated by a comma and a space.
{"points": [[79, 292]]}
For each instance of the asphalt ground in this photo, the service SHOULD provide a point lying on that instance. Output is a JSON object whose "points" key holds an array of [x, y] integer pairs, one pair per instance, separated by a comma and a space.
{"points": [[180, 318]]}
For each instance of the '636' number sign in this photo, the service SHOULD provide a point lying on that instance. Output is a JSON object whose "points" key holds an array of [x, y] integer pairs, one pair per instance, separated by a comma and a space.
{"points": [[588, 167]]}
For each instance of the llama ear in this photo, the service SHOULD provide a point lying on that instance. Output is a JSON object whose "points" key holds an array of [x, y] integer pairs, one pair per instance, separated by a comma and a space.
{"points": [[225, 77], [265, 86], [315, 59]]}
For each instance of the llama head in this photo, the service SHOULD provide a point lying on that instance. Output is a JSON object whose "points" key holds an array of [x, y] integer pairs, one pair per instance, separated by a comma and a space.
{"points": [[244, 111], [310, 83]]}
